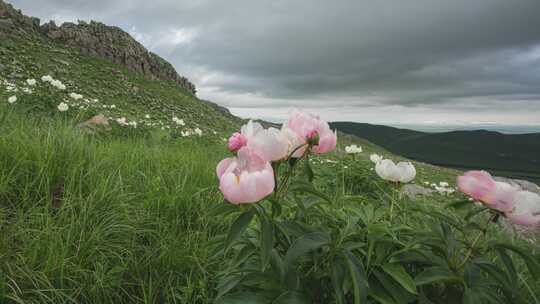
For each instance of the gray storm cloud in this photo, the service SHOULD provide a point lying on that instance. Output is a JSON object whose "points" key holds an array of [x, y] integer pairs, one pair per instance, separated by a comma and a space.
{"points": [[480, 56]]}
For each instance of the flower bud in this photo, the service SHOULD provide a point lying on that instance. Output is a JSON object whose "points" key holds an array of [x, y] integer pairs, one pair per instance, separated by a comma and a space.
{"points": [[236, 141], [313, 138]]}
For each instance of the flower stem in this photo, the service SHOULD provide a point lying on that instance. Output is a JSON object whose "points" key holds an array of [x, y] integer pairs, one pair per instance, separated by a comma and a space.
{"points": [[476, 239]]}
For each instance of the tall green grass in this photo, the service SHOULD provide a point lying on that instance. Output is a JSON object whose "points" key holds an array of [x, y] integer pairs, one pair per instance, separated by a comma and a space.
{"points": [[103, 220]]}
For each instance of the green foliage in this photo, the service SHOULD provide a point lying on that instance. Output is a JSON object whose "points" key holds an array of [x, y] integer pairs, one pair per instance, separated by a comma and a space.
{"points": [[348, 247]]}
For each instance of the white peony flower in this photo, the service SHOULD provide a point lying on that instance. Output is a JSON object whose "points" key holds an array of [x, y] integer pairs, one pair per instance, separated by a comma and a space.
{"points": [[47, 78], [403, 172], [178, 121], [444, 190], [526, 209], [31, 82], [62, 107], [122, 121], [12, 99], [353, 149], [375, 158], [58, 84], [75, 96]]}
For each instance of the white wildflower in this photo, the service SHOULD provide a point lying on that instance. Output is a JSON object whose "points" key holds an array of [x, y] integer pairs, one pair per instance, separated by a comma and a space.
{"points": [[31, 82], [12, 99], [353, 149], [58, 84], [198, 131], [178, 121], [62, 107], [47, 78], [122, 121], [375, 158], [75, 96]]}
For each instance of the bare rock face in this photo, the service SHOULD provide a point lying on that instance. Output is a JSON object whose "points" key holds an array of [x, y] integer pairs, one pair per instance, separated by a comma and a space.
{"points": [[412, 191], [523, 184], [98, 40], [95, 124], [112, 43], [12, 19]]}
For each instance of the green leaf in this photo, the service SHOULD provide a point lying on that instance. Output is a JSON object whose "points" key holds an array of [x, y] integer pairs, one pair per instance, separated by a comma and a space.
{"points": [[267, 241], [227, 284], [397, 292], [379, 293], [436, 275], [277, 263], [300, 185], [474, 212], [398, 273], [358, 277], [239, 225], [501, 278], [459, 204], [308, 170], [291, 297], [223, 209], [471, 297], [508, 263], [243, 298], [305, 244], [337, 277], [533, 264]]}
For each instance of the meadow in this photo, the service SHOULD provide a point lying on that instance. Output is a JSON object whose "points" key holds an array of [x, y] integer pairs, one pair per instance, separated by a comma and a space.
{"points": [[129, 217]]}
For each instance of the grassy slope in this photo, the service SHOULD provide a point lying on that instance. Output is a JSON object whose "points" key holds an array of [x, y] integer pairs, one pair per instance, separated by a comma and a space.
{"points": [[133, 95], [507, 155]]}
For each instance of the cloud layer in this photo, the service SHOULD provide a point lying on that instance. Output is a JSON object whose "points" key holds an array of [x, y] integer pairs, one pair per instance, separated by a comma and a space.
{"points": [[412, 61]]}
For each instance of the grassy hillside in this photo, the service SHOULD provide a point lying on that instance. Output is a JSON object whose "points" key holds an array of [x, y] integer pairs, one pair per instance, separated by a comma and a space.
{"points": [[107, 89], [515, 155]]}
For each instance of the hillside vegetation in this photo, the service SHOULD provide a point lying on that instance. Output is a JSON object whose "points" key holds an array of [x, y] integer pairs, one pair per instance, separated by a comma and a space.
{"points": [[516, 155]]}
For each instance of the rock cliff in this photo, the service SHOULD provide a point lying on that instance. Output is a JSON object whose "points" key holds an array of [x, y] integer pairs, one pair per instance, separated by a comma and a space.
{"points": [[95, 39]]}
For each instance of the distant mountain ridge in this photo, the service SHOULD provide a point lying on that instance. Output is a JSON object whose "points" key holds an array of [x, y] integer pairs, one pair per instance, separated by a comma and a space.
{"points": [[513, 155], [99, 40]]}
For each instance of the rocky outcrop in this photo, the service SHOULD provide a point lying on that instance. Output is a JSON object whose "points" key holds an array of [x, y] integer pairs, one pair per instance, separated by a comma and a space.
{"points": [[523, 184], [99, 40], [12, 19]]}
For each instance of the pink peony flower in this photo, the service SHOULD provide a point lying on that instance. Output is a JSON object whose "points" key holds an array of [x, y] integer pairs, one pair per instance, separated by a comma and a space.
{"points": [[236, 141], [501, 197], [526, 211], [476, 184], [307, 127], [246, 178], [270, 144]]}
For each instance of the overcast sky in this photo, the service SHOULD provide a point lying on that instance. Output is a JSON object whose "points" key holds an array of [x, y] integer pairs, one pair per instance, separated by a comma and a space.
{"points": [[387, 61]]}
